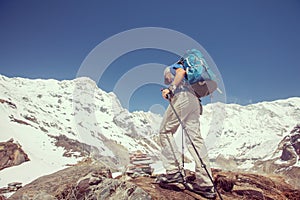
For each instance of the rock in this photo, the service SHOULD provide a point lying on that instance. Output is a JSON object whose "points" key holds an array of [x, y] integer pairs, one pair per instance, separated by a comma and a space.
{"points": [[2, 197], [239, 185], [11, 154], [92, 181], [139, 164], [224, 183], [86, 181], [11, 104]]}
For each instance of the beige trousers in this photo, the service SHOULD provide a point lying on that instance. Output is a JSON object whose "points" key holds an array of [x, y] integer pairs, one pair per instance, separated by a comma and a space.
{"points": [[188, 108]]}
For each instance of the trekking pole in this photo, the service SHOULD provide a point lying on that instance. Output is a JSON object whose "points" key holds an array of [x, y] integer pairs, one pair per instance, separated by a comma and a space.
{"points": [[182, 149], [197, 153], [181, 170]]}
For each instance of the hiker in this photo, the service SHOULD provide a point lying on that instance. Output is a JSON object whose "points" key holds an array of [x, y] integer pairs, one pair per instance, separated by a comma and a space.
{"points": [[187, 106]]}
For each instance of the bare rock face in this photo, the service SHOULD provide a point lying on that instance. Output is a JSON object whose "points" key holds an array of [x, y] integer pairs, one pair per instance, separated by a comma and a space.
{"points": [[11, 154], [285, 160]]}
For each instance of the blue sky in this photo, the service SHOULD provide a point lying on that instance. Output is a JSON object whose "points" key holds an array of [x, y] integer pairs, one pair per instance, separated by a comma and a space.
{"points": [[255, 44]]}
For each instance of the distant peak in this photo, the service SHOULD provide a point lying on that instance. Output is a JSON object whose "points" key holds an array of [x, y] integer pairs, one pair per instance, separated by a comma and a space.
{"points": [[84, 79]]}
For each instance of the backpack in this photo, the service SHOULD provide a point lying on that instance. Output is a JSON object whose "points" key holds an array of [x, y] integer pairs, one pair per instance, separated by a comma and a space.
{"points": [[198, 74]]}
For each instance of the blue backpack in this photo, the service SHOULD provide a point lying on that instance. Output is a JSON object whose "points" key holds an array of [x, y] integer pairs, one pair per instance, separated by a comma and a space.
{"points": [[196, 67], [198, 74]]}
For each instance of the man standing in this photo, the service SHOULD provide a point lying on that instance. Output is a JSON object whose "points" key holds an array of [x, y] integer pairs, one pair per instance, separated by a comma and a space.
{"points": [[187, 106]]}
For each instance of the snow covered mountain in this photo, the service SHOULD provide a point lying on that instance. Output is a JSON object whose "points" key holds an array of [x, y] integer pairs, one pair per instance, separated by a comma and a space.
{"points": [[57, 123], [37, 113], [252, 132], [284, 160], [249, 133]]}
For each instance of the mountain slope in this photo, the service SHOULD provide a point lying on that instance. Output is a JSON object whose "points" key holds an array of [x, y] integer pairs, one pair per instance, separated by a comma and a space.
{"points": [[284, 160], [252, 132], [37, 112], [47, 117]]}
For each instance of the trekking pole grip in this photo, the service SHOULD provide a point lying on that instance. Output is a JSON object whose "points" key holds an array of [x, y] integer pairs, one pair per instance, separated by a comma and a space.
{"points": [[169, 95]]}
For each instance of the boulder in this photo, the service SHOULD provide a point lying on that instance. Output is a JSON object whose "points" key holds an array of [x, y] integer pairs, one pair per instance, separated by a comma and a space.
{"points": [[11, 154]]}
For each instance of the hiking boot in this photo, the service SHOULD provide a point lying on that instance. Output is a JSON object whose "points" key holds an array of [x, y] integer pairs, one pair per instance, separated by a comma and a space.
{"points": [[206, 191], [170, 178]]}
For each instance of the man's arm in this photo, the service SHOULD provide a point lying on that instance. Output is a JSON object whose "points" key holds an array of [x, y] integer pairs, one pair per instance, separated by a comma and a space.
{"points": [[180, 73]]}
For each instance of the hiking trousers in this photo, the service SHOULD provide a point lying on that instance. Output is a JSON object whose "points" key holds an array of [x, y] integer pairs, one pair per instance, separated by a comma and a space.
{"points": [[187, 107]]}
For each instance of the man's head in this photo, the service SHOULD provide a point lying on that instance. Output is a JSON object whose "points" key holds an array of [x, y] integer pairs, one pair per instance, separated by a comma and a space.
{"points": [[168, 76]]}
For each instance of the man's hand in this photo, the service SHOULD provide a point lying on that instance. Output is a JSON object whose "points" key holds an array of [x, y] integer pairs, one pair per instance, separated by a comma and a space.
{"points": [[165, 93]]}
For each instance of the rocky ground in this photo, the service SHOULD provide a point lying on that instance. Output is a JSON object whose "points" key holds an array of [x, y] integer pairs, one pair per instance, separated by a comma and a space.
{"points": [[90, 180], [232, 185], [93, 180]]}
